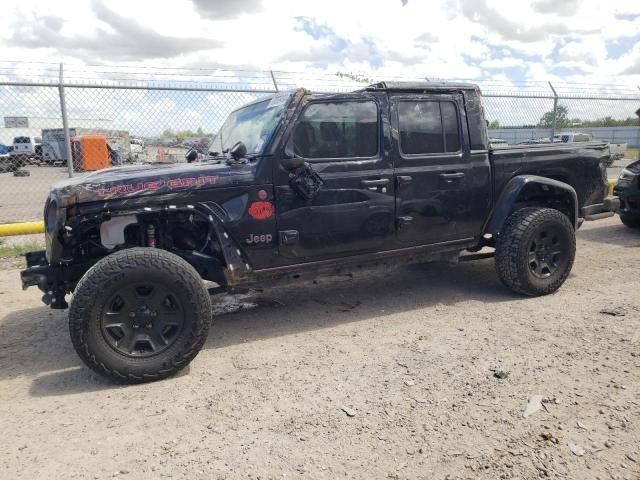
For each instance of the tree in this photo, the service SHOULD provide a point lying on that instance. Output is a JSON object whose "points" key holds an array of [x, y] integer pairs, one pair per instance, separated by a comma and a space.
{"points": [[168, 133], [494, 125], [562, 119]]}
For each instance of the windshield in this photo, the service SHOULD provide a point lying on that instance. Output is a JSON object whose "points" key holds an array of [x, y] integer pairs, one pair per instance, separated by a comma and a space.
{"points": [[252, 125]]}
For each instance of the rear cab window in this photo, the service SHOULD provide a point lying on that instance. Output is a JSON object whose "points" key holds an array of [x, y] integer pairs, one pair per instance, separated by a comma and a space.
{"points": [[338, 130]]}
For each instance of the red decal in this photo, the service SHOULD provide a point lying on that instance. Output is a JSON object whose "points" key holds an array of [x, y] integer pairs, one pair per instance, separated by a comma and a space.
{"points": [[174, 183], [261, 210]]}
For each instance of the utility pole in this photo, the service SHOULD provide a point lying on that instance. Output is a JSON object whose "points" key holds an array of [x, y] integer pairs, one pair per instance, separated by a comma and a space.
{"points": [[65, 122], [555, 112]]}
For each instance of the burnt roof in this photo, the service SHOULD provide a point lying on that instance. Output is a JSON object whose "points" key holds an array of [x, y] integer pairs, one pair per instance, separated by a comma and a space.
{"points": [[421, 86]]}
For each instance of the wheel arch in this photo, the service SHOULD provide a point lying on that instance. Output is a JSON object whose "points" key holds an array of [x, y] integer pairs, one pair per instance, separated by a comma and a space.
{"points": [[532, 190]]}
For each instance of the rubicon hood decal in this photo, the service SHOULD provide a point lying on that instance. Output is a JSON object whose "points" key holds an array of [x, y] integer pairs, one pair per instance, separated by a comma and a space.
{"points": [[106, 191], [129, 182]]}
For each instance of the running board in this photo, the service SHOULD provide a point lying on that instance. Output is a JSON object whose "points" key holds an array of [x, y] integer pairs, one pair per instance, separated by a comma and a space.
{"points": [[476, 256]]}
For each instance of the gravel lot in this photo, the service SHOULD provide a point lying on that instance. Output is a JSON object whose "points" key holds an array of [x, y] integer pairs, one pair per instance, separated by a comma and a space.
{"points": [[384, 375]]}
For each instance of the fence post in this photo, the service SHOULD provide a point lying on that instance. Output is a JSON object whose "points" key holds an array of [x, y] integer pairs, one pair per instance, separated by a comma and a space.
{"points": [[555, 112], [273, 77], [65, 122]]}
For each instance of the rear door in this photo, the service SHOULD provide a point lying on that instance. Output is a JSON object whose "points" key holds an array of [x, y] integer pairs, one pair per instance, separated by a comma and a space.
{"points": [[441, 194], [341, 138]]}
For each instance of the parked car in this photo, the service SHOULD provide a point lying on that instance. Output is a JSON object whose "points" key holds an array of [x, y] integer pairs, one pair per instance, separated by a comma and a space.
{"points": [[6, 163], [27, 150], [617, 151], [310, 184], [628, 189]]}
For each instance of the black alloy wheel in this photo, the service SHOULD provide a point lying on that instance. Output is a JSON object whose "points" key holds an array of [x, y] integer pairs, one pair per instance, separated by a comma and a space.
{"points": [[546, 251], [142, 319]]}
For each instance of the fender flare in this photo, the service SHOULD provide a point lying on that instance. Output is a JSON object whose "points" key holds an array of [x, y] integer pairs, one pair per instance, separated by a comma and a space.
{"points": [[509, 196]]}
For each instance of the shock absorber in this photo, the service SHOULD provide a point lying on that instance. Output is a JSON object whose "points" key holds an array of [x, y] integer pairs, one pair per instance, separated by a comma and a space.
{"points": [[151, 235]]}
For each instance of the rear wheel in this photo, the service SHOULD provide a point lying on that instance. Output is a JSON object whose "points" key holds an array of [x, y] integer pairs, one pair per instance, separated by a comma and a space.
{"points": [[535, 250], [631, 221], [139, 315]]}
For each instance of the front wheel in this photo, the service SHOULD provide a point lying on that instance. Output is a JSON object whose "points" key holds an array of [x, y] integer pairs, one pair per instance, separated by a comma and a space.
{"points": [[535, 250], [140, 314]]}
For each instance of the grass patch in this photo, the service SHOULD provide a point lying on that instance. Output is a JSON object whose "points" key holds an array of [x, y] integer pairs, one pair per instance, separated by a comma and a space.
{"points": [[633, 153], [18, 250]]}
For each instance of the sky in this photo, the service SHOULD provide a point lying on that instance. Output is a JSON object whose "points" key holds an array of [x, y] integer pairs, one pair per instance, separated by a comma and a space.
{"points": [[505, 41], [563, 40]]}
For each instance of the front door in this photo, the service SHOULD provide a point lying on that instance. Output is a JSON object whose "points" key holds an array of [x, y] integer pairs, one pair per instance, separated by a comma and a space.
{"points": [[441, 194], [340, 137]]}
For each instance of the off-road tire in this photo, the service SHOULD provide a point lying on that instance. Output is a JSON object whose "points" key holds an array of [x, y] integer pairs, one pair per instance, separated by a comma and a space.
{"points": [[132, 265], [512, 250], [630, 221]]}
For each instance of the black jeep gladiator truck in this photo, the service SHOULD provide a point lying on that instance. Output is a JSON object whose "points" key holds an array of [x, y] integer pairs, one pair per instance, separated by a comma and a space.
{"points": [[299, 185]]}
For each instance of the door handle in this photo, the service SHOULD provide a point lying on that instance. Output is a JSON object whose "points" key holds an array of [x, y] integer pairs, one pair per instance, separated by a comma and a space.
{"points": [[452, 176], [403, 179], [375, 183]]}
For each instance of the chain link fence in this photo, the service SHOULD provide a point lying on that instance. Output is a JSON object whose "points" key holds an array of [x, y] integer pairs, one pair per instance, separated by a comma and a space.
{"points": [[106, 116]]}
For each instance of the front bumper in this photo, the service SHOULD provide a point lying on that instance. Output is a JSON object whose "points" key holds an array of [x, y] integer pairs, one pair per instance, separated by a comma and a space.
{"points": [[629, 199], [55, 281], [49, 279], [609, 206]]}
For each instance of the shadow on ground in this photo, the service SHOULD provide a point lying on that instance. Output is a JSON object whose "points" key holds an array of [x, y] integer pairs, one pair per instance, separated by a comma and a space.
{"points": [[616, 234], [35, 341]]}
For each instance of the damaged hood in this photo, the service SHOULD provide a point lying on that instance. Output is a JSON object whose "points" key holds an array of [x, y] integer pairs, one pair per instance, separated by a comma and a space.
{"points": [[136, 181]]}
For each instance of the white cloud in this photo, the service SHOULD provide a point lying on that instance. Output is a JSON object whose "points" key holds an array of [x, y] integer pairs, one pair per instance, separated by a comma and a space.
{"points": [[450, 38], [499, 40]]}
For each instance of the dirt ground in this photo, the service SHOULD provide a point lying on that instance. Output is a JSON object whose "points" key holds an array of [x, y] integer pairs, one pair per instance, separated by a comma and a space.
{"points": [[384, 375]]}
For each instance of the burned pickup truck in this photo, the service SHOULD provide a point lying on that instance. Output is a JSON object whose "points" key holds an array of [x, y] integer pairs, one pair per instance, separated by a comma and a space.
{"points": [[299, 185]]}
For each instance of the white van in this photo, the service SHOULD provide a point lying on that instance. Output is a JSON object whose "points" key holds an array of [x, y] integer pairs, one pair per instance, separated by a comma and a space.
{"points": [[571, 137], [27, 148]]}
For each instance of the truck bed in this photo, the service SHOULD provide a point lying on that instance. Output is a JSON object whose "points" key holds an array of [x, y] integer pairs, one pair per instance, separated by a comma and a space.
{"points": [[581, 165]]}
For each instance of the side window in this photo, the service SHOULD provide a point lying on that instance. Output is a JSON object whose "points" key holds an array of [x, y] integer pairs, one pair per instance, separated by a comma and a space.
{"points": [[337, 130], [420, 127], [428, 127]]}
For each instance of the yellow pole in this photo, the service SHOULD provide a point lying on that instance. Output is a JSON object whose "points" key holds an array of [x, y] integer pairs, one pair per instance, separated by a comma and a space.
{"points": [[26, 228]]}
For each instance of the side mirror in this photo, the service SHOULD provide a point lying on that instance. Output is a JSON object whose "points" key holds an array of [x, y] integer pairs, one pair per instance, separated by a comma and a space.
{"points": [[238, 151], [290, 161], [191, 155]]}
